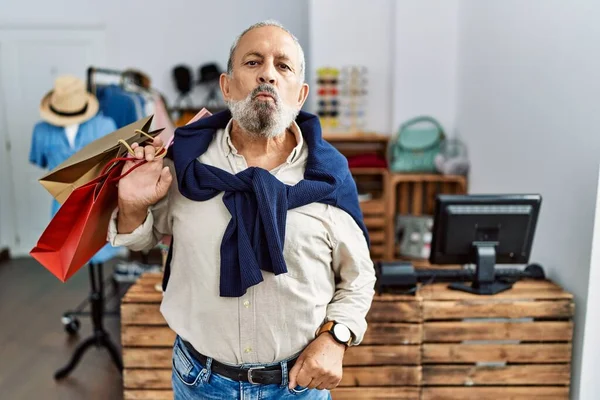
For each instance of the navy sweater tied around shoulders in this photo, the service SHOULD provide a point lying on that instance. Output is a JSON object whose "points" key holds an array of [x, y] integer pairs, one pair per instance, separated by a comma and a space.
{"points": [[257, 201]]}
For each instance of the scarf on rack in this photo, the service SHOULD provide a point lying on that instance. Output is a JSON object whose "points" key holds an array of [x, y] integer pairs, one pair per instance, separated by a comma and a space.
{"points": [[257, 201]]}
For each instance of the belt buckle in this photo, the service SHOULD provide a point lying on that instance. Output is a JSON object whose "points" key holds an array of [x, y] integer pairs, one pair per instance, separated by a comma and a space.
{"points": [[250, 375]]}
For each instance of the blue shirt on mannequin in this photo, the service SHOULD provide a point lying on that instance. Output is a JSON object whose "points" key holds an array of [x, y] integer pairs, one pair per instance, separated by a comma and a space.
{"points": [[50, 147]]}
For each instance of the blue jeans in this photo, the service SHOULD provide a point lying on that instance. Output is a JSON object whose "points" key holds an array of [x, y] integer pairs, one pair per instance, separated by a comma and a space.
{"points": [[192, 381]]}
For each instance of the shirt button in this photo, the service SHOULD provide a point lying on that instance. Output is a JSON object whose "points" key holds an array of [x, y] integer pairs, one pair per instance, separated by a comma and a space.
{"points": [[248, 350], [246, 304]]}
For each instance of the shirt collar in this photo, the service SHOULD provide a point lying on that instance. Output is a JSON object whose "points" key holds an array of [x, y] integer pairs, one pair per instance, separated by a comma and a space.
{"points": [[228, 147]]}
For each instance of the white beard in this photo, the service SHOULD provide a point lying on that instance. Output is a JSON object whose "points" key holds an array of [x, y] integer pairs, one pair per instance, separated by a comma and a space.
{"points": [[262, 119]]}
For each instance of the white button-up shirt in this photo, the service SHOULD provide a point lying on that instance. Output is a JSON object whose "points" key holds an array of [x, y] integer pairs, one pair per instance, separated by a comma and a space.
{"points": [[330, 273]]}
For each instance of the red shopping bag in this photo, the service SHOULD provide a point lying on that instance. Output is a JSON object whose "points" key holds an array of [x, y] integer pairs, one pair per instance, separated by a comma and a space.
{"points": [[79, 228]]}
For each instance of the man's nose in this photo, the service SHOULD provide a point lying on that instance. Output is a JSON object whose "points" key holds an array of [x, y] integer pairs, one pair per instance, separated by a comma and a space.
{"points": [[267, 75]]}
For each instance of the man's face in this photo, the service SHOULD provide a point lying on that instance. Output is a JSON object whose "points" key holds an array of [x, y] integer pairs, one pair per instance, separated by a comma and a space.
{"points": [[264, 92]]}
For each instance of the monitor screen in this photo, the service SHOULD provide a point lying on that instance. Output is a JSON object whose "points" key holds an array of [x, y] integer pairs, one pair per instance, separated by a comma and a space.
{"points": [[462, 222]]}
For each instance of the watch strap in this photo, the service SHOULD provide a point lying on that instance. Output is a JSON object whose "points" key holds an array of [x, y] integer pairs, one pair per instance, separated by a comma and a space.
{"points": [[328, 327]]}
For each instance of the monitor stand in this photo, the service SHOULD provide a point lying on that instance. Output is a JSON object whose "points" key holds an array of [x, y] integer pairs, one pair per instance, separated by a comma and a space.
{"points": [[484, 282]]}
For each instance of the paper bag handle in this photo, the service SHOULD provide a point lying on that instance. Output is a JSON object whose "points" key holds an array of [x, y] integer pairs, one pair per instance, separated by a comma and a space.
{"points": [[160, 153], [130, 150]]}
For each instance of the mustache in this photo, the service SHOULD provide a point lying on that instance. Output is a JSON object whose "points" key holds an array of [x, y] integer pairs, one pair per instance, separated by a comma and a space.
{"points": [[265, 88]]}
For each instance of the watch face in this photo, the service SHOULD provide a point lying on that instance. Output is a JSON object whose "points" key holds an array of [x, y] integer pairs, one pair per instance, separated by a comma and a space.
{"points": [[341, 332]]}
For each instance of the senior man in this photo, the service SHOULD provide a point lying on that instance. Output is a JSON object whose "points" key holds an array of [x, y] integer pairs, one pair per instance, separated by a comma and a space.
{"points": [[270, 277]]}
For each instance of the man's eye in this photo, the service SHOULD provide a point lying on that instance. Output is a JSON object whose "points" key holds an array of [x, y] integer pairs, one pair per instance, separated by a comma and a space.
{"points": [[251, 63], [285, 66]]}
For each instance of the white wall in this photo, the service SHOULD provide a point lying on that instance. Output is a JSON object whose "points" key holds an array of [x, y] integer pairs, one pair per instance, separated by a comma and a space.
{"points": [[590, 365], [424, 69], [408, 47], [7, 227], [529, 78], [356, 32], [154, 36]]}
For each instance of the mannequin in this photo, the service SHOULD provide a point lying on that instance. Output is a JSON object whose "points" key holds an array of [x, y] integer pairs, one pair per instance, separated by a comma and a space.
{"points": [[70, 121]]}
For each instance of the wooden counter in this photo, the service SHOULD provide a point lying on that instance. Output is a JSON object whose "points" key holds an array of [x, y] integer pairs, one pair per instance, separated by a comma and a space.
{"points": [[438, 344]]}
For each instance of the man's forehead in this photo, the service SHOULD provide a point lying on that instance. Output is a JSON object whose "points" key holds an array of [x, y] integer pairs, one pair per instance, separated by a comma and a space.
{"points": [[268, 40]]}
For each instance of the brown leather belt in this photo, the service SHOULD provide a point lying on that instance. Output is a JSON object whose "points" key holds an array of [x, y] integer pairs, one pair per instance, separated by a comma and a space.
{"points": [[255, 375]]}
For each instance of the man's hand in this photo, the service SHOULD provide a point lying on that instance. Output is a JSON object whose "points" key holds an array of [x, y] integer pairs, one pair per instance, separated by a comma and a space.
{"points": [[142, 188], [319, 365]]}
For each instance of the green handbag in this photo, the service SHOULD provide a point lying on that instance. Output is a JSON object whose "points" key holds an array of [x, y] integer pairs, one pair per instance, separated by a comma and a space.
{"points": [[414, 148]]}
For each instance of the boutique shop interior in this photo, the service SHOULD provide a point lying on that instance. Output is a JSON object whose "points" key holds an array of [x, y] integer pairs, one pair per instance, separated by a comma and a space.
{"points": [[468, 133]]}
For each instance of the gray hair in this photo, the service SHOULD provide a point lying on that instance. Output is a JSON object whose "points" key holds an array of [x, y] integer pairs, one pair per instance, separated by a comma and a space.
{"points": [[269, 22]]}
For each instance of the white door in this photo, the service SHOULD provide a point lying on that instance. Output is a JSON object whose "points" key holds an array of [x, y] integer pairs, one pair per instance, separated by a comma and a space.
{"points": [[30, 60]]}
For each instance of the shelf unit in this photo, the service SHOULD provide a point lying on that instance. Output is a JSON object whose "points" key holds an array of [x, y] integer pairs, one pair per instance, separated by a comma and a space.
{"points": [[435, 344], [415, 194], [374, 210], [373, 181], [392, 193]]}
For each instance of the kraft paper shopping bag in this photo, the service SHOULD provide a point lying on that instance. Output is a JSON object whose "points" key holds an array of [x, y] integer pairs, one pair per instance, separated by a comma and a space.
{"points": [[79, 228], [86, 164]]}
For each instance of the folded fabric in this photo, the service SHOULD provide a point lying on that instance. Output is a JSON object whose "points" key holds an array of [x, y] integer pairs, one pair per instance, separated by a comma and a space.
{"points": [[257, 200], [369, 160]]}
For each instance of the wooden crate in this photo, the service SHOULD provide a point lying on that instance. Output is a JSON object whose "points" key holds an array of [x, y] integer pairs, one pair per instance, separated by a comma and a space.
{"points": [[415, 194], [516, 344], [147, 342], [374, 210], [438, 344], [390, 352], [387, 365], [392, 193], [373, 181]]}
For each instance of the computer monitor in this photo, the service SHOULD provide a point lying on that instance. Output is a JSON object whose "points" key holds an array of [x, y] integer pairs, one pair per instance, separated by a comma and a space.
{"points": [[484, 230]]}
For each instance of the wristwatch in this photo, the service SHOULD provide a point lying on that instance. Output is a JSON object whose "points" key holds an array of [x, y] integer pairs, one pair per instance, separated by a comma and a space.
{"points": [[340, 332]]}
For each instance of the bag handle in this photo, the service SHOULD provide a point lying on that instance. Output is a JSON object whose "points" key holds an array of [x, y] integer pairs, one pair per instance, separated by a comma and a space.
{"points": [[130, 150], [406, 124], [421, 118], [160, 153]]}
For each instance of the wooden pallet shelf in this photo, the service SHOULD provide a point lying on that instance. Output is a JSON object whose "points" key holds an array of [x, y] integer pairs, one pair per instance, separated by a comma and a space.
{"points": [[415, 194], [393, 193], [436, 344], [355, 137], [368, 171]]}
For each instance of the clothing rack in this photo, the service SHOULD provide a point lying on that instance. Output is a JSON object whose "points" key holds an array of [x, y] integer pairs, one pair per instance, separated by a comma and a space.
{"points": [[96, 298], [129, 78], [93, 71], [99, 337]]}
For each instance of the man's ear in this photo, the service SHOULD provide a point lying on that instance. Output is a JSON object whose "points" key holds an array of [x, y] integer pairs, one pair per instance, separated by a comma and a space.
{"points": [[303, 95], [224, 83]]}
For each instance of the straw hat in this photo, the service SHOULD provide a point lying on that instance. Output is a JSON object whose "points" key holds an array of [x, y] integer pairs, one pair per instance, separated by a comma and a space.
{"points": [[68, 103]]}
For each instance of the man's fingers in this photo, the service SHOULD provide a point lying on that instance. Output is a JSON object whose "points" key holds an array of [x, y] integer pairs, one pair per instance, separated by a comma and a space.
{"points": [[292, 375], [315, 382], [149, 151], [157, 142], [303, 379], [328, 384], [139, 152], [162, 186]]}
